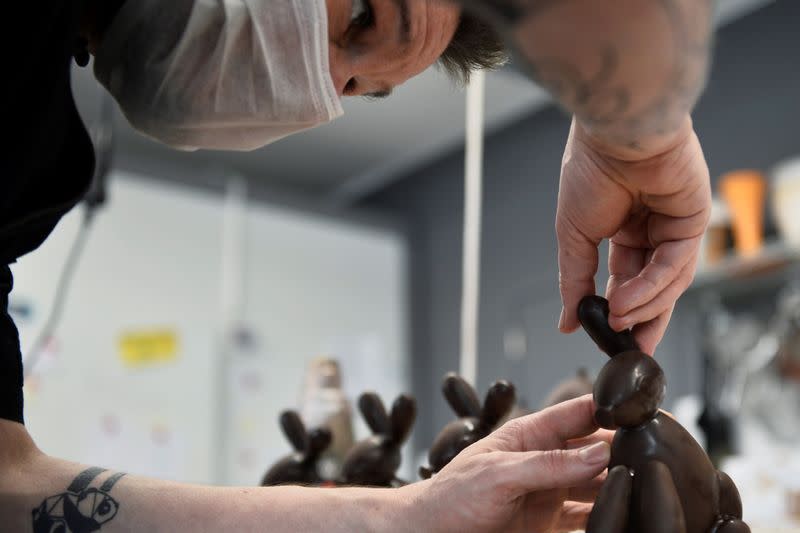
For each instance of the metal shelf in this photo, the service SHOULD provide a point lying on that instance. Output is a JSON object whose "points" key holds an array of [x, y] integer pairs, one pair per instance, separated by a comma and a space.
{"points": [[739, 274]]}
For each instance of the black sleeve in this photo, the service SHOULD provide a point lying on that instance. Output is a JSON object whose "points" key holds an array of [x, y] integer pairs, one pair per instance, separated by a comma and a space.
{"points": [[10, 356], [47, 158]]}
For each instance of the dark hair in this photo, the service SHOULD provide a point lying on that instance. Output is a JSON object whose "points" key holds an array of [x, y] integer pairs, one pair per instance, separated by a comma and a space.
{"points": [[474, 46]]}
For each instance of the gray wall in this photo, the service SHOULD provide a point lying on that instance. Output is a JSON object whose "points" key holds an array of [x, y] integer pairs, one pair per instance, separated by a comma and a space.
{"points": [[749, 117]]}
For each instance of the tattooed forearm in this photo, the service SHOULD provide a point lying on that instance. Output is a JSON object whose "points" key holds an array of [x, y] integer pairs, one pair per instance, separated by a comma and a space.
{"points": [[628, 69], [81, 508]]}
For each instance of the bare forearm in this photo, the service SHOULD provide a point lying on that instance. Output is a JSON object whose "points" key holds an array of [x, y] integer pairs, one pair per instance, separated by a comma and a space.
{"points": [[630, 70], [40, 492]]}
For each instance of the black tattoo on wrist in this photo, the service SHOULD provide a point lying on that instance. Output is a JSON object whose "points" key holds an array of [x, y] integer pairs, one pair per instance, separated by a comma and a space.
{"points": [[81, 509]]}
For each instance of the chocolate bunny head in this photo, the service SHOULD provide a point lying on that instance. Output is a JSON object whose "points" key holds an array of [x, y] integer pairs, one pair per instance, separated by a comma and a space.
{"points": [[374, 461], [631, 386], [299, 467], [475, 422]]}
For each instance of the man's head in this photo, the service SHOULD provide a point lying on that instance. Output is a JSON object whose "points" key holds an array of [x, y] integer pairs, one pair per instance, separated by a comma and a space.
{"points": [[376, 45], [240, 74]]}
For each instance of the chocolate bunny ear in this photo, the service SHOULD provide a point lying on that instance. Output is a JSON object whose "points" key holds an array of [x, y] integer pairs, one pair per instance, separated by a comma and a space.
{"points": [[294, 430], [404, 411], [593, 315], [461, 396], [499, 400], [374, 413], [318, 440]]}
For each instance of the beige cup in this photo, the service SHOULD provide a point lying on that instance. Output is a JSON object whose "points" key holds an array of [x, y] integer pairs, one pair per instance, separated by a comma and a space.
{"points": [[744, 191]]}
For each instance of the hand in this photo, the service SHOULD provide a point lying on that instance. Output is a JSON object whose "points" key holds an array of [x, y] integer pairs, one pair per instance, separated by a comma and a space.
{"points": [[653, 207], [538, 473]]}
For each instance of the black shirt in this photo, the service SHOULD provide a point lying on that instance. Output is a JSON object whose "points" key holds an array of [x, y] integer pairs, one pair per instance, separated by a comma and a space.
{"points": [[47, 161]]}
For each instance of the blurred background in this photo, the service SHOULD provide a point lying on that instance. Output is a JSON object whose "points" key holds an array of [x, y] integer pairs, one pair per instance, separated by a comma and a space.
{"points": [[212, 290]]}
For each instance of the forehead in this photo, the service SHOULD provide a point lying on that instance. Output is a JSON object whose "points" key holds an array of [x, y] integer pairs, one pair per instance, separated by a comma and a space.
{"points": [[431, 25]]}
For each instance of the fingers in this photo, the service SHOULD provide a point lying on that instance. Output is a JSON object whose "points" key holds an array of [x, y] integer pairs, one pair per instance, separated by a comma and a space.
{"points": [[604, 435], [624, 263], [522, 472], [587, 492], [665, 228], [574, 516], [577, 266], [649, 334], [665, 267], [649, 321], [657, 306], [550, 428]]}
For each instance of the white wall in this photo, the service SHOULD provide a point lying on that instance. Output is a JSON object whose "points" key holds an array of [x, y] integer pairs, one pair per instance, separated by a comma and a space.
{"points": [[153, 260], [314, 287]]}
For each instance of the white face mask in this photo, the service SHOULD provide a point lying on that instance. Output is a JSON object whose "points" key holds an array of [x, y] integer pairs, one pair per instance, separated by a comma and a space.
{"points": [[221, 74]]}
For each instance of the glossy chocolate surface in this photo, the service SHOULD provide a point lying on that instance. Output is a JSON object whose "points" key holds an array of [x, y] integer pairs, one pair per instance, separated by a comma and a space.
{"points": [[731, 526], [654, 501], [374, 461], [453, 438], [500, 399], [475, 422], [461, 396], [593, 315], [629, 390], [730, 503], [611, 511], [299, 467], [666, 441], [675, 487]]}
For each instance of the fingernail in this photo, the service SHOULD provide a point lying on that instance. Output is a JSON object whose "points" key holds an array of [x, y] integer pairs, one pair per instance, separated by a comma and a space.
{"points": [[597, 453], [561, 319]]}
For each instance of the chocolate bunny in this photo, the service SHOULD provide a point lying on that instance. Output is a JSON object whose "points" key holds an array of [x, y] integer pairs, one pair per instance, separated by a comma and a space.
{"points": [[299, 467], [659, 478], [374, 461], [475, 422]]}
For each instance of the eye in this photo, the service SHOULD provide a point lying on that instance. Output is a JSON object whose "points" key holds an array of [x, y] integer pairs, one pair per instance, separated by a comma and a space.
{"points": [[362, 15]]}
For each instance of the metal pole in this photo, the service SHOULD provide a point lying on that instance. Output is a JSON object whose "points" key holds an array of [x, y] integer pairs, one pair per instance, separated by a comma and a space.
{"points": [[473, 192]]}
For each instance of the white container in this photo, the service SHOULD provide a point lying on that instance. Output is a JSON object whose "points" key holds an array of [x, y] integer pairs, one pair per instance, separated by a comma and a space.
{"points": [[786, 200]]}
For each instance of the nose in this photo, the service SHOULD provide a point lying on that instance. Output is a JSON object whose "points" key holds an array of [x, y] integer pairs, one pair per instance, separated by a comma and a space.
{"points": [[359, 72], [341, 69]]}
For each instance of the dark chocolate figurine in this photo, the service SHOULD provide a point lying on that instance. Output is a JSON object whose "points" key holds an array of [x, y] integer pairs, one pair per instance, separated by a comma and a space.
{"points": [[660, 479], [475, 422], [299, 467], [373, 462]]}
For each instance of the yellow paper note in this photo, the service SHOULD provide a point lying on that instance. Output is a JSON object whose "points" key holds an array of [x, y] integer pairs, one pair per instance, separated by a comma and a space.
{"points": [[139, 349]]}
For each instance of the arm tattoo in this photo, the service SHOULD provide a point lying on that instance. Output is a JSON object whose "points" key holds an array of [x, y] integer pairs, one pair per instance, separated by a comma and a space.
{"points": [[81, 509], [594, 98], [601, 100]]}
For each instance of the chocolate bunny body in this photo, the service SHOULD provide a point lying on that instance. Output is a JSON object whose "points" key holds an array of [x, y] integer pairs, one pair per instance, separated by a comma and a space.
{"points": [[660, 479], [299, 467], [475, 422], [374, 461]]}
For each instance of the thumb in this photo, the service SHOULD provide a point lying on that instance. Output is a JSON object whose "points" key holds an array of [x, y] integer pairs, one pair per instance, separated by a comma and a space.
{"points": [[577, 266], [552, 469]]}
